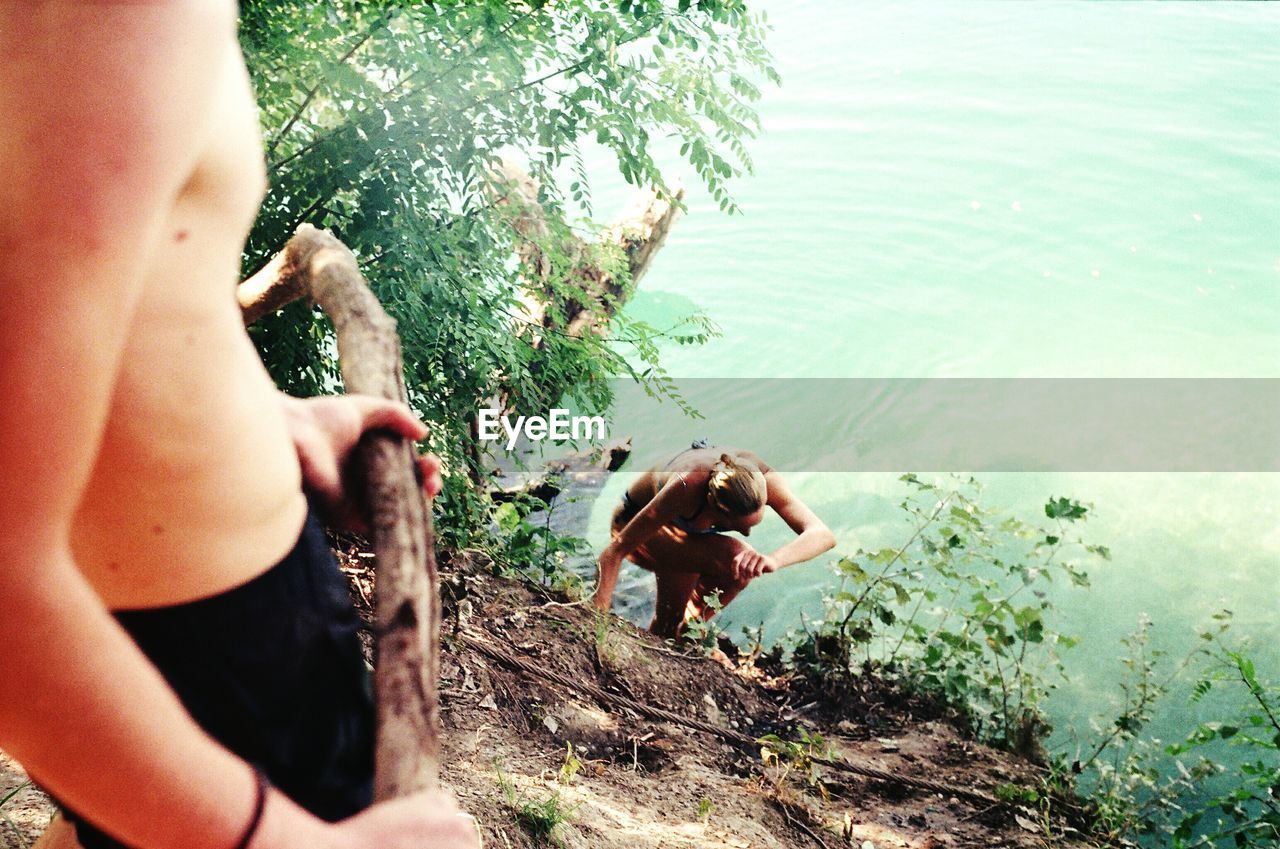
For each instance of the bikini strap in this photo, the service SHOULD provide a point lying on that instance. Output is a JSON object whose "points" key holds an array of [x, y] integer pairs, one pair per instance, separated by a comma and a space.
{"points": [[693, 446]]}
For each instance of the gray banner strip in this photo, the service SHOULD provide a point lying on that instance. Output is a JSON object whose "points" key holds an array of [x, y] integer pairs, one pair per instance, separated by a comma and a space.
{"points": [[969, 424]]}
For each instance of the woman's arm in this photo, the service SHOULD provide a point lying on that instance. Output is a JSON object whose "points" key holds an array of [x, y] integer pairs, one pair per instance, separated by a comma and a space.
{"points": [[814, 536], [680, 494]]}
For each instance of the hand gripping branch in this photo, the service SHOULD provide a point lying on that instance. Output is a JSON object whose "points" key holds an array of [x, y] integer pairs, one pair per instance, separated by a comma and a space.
{"points": [[314, 264]]}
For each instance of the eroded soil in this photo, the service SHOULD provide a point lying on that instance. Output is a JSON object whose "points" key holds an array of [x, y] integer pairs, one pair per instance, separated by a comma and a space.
{"points": [[526, 755]]}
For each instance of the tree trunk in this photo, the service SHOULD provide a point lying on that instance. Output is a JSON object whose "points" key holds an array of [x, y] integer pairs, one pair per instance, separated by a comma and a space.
{"points": [[595, 295], [640, 231], [407, 608]]}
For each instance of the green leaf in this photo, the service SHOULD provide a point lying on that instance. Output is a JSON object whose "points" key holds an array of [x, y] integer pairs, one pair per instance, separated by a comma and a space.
{"points": [[1064, 508], [851, 568]]}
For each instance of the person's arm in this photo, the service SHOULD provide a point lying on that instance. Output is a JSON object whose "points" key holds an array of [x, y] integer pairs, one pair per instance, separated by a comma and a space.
{"points": [[814, 536], [680, 494]]}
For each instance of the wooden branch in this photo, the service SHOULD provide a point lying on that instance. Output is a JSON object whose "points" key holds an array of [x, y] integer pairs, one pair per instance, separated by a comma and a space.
{"points": [[640, 231], [278, 283], [643, 226], [582, 473], [407, 608]]}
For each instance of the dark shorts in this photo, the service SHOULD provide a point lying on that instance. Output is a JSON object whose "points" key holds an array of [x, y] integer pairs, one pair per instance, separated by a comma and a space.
{"points": [[273, 669]]}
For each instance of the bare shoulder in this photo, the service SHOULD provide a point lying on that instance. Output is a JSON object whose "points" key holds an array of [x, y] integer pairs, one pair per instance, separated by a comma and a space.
{"points": [[753, 458], [693, 468], [102, 92], [696, 466], [75, 36]]}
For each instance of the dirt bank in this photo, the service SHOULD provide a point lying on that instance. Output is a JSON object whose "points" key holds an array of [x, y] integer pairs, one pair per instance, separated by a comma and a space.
{"points": [[584, 761]]}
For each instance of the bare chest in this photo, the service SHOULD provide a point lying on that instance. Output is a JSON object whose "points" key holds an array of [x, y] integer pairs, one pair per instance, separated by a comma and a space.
{"points": [[196, 485]]}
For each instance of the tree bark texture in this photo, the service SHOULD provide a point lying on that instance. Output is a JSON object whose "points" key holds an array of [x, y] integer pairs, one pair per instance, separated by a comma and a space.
{"points": [[407, 604]]}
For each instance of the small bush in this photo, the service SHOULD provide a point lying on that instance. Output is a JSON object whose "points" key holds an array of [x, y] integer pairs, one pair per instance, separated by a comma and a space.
{"points": [[958, 611]]}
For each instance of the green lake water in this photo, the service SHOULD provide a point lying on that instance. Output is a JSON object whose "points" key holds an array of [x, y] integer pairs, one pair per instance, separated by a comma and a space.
{"points": [[1028, 190]]}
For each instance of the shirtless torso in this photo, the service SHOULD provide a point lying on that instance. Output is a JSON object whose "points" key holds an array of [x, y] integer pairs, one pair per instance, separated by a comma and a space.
{"points": [[196, 486], [146, 459]]}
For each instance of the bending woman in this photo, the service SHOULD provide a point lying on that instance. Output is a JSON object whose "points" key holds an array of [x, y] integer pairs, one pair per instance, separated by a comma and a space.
{"points": [[674, 522]]}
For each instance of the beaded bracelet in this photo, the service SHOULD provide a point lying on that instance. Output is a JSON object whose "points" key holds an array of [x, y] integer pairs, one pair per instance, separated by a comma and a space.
{"points": [[259, 804]]}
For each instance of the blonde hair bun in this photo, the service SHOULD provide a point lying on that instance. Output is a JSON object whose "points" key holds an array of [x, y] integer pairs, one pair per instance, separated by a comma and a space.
{"points": [[736, 487]]}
